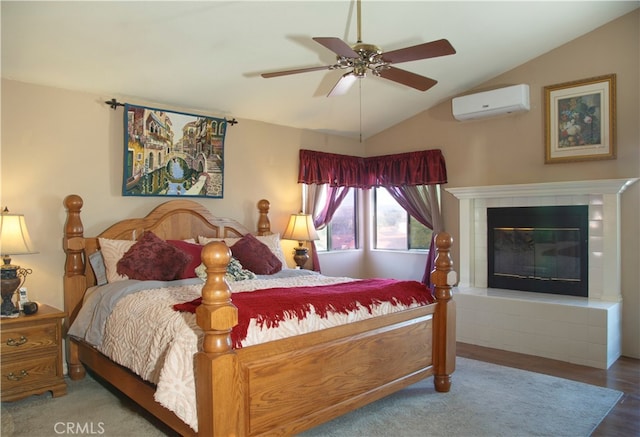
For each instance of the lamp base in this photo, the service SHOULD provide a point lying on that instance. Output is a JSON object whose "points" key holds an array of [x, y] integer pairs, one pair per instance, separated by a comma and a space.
{"points": [[301, 256], [9, 287]]}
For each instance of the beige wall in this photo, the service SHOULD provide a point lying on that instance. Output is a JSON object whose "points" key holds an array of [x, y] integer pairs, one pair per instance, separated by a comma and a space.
{"points": [[56, 142], [510, 149]]}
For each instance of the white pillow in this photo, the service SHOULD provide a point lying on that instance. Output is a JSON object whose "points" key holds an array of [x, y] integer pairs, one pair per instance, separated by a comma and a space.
{"points": [[112, 251], [204, 240], [271, 241]]}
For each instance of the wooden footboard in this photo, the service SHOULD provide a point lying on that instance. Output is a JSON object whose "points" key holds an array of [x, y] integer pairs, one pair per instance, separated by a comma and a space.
{"points": [[281, 387], [287, 386]]}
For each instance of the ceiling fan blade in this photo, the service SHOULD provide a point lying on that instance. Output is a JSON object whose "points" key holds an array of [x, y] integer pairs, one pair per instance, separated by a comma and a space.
{"points": [[343, 85], [299, 70], [432, 49], [337, 46], [408, 78]]}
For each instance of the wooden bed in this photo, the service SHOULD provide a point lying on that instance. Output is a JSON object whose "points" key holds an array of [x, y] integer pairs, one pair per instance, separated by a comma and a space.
{"points": [[281, 387]]}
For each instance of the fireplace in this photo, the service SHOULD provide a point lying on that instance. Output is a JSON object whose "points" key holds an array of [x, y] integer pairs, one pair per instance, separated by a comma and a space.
{"points": [[539, 249], [583, 329]]}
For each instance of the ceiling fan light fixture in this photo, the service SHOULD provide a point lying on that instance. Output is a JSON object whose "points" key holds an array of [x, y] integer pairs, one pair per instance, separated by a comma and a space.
{"points": [[360, 69], [343, 85]]}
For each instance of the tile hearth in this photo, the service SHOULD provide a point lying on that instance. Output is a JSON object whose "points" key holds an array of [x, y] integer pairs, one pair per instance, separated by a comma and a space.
{"points": [[583, 331]]}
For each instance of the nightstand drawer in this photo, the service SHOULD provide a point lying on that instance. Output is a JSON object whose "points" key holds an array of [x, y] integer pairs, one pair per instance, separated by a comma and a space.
{"points": [[23, 338], [31, 354], [29, 373]]}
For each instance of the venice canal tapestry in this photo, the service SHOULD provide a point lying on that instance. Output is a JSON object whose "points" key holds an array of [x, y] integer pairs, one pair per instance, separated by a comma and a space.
{"points": [[172, 154]]}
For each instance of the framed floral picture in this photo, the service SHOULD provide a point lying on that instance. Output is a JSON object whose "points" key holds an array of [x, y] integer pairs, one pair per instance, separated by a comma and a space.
{"points": [[580, 120], [169, 153]]}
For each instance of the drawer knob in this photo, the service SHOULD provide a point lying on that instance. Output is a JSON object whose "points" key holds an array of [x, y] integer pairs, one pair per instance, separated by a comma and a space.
{"points": [[14, 342], [12, 377]]}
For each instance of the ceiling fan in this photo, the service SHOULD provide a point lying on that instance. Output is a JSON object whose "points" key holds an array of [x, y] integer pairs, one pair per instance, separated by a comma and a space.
{"points": [[362, 58]]}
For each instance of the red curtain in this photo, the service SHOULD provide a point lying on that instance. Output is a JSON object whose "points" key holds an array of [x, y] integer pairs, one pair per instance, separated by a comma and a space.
{"points": [[425, 167]]}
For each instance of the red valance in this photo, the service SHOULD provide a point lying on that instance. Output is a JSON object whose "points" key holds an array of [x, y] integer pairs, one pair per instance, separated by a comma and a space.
{"points": [[425, 167], [330, 168]]}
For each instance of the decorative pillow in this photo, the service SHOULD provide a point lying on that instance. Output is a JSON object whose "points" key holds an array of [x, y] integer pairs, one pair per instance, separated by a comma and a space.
{"points": [[152, 258], [271, 241], [256, 256], [192, 249], [235, 271], [99, 269], [112, 251]]}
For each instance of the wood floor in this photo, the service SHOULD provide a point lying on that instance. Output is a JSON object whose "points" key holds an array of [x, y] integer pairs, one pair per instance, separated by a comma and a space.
{"points": [[623, 375]]}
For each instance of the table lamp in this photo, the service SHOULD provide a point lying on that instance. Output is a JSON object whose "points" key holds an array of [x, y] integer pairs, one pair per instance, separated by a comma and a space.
{"points": [[300, 228], [14, 240]]}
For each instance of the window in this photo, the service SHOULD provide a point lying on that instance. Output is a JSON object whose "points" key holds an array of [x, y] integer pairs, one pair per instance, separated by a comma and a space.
{"points": [[341, 232], [395, 229]]}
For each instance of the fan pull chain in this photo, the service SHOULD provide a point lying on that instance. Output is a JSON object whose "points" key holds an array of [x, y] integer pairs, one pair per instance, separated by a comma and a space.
{"points": [[360, 90]]}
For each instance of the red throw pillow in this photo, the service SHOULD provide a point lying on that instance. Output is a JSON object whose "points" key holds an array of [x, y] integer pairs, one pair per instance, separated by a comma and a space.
{"points": [[152, 258], [191, 249], [255, 256]]}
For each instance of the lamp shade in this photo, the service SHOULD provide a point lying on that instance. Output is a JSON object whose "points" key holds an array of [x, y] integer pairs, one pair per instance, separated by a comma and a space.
{"points": [[14, 237], [300, 228]]}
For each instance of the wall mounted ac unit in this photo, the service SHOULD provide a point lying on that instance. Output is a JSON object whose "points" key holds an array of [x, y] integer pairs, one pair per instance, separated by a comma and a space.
{"points": [[491, 103]]}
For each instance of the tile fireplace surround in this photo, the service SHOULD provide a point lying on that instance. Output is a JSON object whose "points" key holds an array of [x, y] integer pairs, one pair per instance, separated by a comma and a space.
{"points": [[578, 330]]}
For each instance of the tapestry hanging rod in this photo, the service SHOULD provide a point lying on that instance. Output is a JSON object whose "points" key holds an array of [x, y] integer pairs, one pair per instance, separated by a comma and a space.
{"points": [[114, 104]]}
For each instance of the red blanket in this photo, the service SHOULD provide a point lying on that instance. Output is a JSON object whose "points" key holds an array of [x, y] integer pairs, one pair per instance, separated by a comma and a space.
{"points": [[270, 306]]}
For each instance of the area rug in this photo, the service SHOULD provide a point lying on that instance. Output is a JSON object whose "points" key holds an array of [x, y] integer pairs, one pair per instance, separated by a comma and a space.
{"points": [[485, 400]]}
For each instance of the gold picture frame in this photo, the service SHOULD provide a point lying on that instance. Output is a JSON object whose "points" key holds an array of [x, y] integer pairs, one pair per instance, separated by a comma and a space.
{"points": [[580, 120]]}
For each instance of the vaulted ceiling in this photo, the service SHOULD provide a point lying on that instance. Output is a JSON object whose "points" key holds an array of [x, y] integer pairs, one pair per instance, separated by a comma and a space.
{"points": [[207, 56]]}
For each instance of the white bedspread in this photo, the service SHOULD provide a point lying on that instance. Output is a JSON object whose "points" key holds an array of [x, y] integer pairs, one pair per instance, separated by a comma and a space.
{"points": [[143, 333]]}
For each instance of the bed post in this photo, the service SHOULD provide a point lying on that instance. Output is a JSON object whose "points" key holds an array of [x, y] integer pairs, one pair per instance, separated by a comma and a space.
{"points": [[264, 226], [443, 277], [220, 409], [75, 281]]}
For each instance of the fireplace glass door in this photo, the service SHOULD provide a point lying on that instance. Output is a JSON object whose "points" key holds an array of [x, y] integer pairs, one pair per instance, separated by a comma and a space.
{"points": [[540, 249]]}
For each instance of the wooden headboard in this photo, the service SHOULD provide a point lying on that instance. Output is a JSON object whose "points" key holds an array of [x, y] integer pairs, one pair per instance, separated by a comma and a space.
{"points": [[173, 220]]}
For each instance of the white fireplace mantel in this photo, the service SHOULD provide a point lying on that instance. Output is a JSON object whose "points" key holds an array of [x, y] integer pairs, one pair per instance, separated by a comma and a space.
{"points": [[603, 186], [579, 330], [603, 198]]}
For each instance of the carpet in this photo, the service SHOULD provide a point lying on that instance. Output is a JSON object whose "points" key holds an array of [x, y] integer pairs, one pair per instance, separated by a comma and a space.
{"points": [[485, 400]]}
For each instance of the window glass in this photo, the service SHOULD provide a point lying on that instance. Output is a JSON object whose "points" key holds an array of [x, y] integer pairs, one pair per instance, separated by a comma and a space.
{"points": [[341, 232], [391, 222], [419, 235], [395, 229]]}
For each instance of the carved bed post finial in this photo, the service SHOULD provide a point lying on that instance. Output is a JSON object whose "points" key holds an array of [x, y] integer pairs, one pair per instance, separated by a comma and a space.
{"points": [[443, 277], [217, 361], [264, 226], [73, 228], [216, 315]]}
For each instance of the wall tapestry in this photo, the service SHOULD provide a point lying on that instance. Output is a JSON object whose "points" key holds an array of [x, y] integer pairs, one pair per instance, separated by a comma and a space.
{"points": [[172, 154]]}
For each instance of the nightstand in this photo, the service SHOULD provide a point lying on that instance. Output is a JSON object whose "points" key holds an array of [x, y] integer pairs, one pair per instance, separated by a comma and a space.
{"points": [[31, 354]]}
